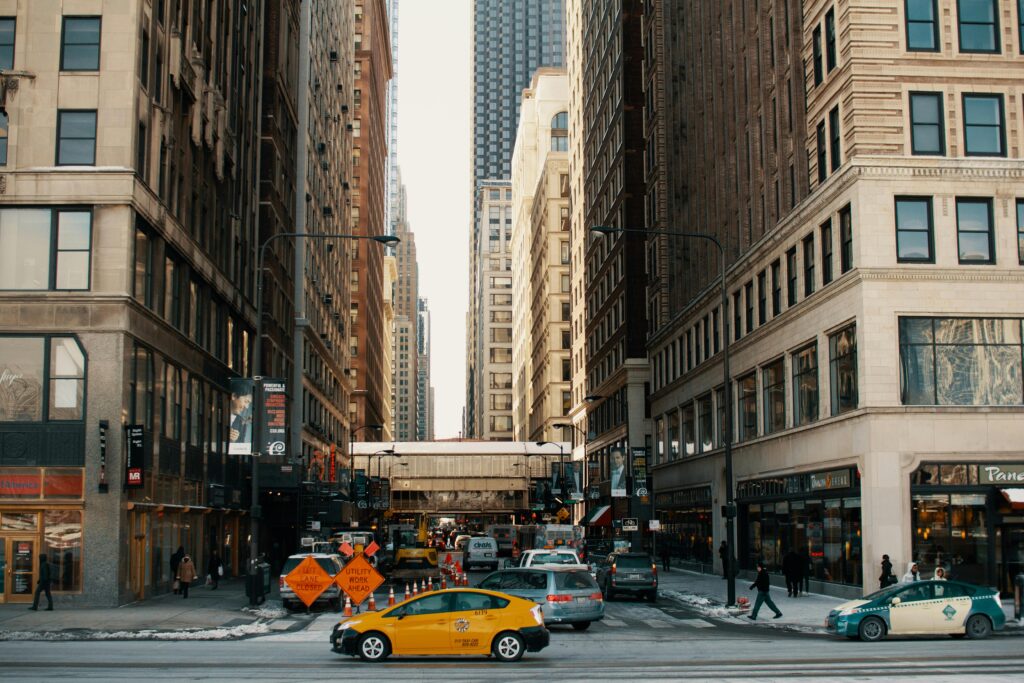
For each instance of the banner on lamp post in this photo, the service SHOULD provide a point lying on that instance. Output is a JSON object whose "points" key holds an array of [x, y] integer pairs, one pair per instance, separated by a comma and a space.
{"points": [[274, 424], [240, 422], [134, 457]]}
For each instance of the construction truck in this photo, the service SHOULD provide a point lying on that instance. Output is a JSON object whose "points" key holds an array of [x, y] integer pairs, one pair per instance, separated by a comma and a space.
{"points": [[413, 558]]}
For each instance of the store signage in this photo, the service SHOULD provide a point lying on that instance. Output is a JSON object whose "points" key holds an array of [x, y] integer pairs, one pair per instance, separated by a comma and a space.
{"points": [[833, 479], [1001, 474], [332, 466], [25, 483], [630, 524], [274, 413], [362, 490], [134, 470]]}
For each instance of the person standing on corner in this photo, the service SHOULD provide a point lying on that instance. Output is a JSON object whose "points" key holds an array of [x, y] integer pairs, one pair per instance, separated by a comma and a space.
{"points": [[43, 585], [666, 556], [791, 570], [214, 569], [886, 578], [186, 574], [175, 562], [913, 573], [762, 583], [723, 552]]}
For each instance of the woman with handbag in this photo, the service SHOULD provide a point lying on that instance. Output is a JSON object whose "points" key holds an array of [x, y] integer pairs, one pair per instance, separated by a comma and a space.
{"points": [[186, 574], [175, 562]]}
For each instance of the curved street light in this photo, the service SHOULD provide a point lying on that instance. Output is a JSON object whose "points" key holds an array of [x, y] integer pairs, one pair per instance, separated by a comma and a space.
{"points": [[730, 503]]}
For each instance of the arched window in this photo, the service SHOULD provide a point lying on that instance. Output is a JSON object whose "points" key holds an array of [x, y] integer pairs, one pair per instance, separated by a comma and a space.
{"points": [[560, 121], [560, 132]]}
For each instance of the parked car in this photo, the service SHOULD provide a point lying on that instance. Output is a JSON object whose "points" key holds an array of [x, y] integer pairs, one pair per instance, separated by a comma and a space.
{"points": [[329, 562], [449, 622], [481, 550], [923, 607], [567, 596], [633, 573]]}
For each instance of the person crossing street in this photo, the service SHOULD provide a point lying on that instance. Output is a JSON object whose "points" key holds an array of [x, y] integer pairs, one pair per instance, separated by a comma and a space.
{"points": [[763, 584]]}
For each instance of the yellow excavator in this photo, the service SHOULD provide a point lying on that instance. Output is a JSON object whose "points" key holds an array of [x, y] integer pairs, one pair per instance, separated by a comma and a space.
{"points": [[413, 559]]}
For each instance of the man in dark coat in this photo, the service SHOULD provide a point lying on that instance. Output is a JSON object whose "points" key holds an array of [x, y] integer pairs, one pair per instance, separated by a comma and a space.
{"points": [[763, 583], [43, 585], [886, 578], [791, 569]]}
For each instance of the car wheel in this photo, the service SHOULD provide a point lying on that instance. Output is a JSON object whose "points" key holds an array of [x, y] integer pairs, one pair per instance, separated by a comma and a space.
{"points": [[871, 630], [979, 626], [581, 625], [509, 646], [374, 647]]}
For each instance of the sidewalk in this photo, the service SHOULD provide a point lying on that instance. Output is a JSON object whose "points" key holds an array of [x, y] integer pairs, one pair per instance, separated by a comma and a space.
{"points": [[205, 614], [707, 594]]}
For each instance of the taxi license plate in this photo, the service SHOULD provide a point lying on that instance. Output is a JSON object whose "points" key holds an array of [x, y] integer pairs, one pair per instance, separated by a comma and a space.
{"points": [[634, 577]]}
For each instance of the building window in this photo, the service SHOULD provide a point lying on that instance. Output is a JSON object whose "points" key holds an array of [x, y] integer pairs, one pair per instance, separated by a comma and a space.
{"points": [[960, 361], [821, 153], [805, 385], [914, 230], [974, 230], [748, 295], [45, 249], [826, 252], [737, 320], [926, 124], [705, 423], [791, 277], [501, 335], [7, 26], [842, 354], [5, 125], [922, 25], [984, 126], [501, 380], [747, 394], [723, 426], [817, 55], [762, 297], [830, 39], [76, 138], [845, 239], [689, 438], [834, 139], [773, 383], [1020, 25], [776, 288], [44, 379], [80, 44], [1020, 228], [978, 25], [143, 380], [808, 265]]}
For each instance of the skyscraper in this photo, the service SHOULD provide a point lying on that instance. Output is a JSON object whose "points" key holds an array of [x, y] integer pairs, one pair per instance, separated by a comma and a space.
{"points": [[424, 392], [511, 38]]}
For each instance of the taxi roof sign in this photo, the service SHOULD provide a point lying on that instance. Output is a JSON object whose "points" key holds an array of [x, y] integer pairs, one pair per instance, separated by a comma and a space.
{"points": [[308, 580], [358, 579]]}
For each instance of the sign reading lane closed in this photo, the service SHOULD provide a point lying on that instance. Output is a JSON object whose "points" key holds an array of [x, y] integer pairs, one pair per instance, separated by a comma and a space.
{"points": [[358, 579], [308, 580]]}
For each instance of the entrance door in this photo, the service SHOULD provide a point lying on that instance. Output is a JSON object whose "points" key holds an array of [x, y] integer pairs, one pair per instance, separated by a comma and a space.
{"points": [[1013, 557], [17, 568]]}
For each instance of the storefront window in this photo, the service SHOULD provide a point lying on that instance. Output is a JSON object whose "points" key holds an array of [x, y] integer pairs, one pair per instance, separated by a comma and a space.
{"points": [[950, 531], [19, 521], [706, 421], [62, 543]]}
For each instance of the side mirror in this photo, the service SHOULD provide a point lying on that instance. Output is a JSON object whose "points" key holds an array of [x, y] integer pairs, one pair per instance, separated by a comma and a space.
{"points": [[895, 601]]}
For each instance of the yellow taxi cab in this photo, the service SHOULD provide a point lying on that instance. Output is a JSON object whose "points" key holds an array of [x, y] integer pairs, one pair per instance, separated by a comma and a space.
{"points": [[459, 621]]}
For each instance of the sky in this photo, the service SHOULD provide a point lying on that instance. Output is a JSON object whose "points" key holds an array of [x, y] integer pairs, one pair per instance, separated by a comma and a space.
{"points": [[434, 139]]}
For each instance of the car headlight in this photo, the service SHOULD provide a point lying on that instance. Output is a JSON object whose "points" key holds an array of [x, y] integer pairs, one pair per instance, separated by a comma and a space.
{"points": [[347, 624]]}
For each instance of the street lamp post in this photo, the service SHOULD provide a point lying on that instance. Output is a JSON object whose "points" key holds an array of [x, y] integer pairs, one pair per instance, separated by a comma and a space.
{"points": [[254, 511], [730, 504], [352, 459], [561, 467]]}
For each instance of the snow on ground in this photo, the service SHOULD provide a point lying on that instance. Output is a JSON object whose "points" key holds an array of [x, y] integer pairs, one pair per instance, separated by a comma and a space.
{"points": [[245, 630], [737, 615], [268, 610]]}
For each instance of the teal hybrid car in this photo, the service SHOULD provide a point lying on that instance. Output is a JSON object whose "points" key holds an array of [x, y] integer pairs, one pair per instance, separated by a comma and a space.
{"points": [[920, 608]]}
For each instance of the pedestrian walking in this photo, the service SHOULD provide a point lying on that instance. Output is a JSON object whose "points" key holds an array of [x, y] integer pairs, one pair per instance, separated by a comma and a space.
{"points": [[912, 574], [940, 574], [886, 578], [175, 562], [791, 569], [666, 555], [807, 570], [214, 569], [723, 553], [186, 574], [43, 585], [762, 583]]}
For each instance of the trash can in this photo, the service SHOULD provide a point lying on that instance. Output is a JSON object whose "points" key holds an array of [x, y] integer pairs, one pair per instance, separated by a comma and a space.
{"points": [[1018, 595], [256, 581]]}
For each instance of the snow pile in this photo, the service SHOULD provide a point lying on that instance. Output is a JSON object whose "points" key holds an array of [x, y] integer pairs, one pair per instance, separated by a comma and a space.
{"points": [[245, 630], [705, 606], [267, 611]]}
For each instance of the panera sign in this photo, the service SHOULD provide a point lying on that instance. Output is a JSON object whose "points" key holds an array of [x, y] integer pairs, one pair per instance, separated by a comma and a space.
{"points": [[835, 479], [1001, 474]]}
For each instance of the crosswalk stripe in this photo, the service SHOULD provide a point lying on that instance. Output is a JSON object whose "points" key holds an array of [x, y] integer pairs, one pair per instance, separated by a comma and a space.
{"points": [[657, 623]]}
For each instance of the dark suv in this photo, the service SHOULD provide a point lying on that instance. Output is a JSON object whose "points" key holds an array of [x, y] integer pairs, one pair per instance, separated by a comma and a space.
{"points": [[632, 573]]}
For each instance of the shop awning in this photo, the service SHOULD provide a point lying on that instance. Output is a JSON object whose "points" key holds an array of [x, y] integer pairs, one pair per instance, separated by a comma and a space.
{"points": [[1015, 497], [601, 516]]}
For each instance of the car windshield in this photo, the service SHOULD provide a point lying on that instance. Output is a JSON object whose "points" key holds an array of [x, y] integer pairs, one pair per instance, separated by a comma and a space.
{"points": [[555, 558], [633, 561], [885, 592], [574, 581], [326, 563]]}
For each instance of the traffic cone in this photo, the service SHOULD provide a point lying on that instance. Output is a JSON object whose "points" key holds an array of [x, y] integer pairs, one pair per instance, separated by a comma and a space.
{"points": [[407, 593], [444, 583], [465, 579], [373, 603], [430, 583], [415, 589], [391, 597], [348, 607]]}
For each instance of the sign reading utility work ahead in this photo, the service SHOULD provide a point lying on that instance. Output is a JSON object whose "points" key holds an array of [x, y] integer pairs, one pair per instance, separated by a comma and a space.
{"points": [[308, 580], [358, 579]]}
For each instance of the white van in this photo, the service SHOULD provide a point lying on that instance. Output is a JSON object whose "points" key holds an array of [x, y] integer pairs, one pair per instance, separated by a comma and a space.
{"points": [[481, 551]]}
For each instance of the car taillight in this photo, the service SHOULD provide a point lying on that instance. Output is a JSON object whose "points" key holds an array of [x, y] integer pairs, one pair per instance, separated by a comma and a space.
{"points": [[559, 598], [538, 615], [280, 582], [654, 570], [613, 569], [597, 596]]}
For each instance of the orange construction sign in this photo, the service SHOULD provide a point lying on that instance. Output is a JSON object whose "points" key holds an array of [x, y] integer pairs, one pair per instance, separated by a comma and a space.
{"points": [[358, 579], [308, 580]]}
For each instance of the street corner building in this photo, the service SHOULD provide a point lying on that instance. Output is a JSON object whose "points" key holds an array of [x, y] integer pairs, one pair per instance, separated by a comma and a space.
{"points": [[128, 192], [860, 162]]}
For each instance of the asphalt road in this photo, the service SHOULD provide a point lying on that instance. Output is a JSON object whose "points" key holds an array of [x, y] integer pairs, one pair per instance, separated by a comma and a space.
{"points": [[637, 640]]}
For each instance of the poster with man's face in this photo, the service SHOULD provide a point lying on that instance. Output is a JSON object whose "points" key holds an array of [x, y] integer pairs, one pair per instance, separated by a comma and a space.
{"points": [[240, 420], [619, 473], [556, 478], [573, 477]]}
